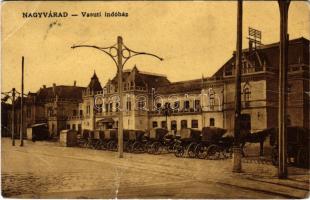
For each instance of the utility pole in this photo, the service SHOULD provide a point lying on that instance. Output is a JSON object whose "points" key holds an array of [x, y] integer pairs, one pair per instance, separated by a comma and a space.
{"points": [[282, 168], [21, 107], [13, 117], [236, 147], [120, 94]]}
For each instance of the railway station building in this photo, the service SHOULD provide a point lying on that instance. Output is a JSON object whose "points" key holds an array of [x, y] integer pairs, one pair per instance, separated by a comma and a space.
{"points": [[151, 100]]}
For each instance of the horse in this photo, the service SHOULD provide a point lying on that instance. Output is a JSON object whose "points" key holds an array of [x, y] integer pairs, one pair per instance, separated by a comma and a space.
{"points": [[256, 137]]}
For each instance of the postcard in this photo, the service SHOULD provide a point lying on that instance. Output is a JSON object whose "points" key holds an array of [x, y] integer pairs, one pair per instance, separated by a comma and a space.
{"points": [[155, 99]]}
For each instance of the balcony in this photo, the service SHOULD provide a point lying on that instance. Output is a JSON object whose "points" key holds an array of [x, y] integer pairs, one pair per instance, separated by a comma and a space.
{"points": [[176, 112], [106, 114], [75, 118], [129, 89]]}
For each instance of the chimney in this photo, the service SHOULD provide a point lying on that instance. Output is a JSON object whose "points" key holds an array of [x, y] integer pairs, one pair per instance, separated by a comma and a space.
{"points": [[44, 86], [250, 46], [54, 88], [74, 83]]}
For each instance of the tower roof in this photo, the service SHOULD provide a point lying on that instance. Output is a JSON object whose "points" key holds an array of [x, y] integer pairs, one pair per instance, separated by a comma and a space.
{"points": [[94, 84]]}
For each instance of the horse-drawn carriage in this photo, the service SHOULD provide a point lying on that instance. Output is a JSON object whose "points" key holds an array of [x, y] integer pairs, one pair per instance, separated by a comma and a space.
{"points": [[210, 143], [214, 144], [189, 138], [108, 140], [298, 139], [133, 141], [87, 139], [155, 141]]}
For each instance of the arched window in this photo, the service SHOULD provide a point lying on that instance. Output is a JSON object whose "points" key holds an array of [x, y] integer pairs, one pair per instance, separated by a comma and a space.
{"points": [[211, 99], [246, 92]]}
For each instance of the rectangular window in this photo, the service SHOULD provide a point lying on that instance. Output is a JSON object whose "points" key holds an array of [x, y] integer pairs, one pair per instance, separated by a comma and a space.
{"points": [[173, 125], [194, 123], [107, 107], [163, 124], [128, 106], [197, 104], [74, 112], [88, 109], [183, 123], [73, 126], [81, 113], [186, 105], [29, 112], [79, 128], [154, 125], [212, 122], [111, 107], [116, 107], [68, 126]]}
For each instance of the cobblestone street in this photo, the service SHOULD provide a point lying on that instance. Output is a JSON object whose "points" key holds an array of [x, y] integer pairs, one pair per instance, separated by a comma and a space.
{"points": [[46, 170]]}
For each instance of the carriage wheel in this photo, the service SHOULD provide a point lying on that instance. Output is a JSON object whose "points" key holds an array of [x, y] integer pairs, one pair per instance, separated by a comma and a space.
{"points": [[274, 156], [148, 147], [171, 147], [213, 152], [228, 152], [103, 145], [138, 147], [191, 150], [93, 144], [109, 145], [128, 146], [112, 146], [115, 146], [156, 148], [303, 157], [179, 151], [174, 147], [87, 145], [125, 146], [201, 151], [97, 145]]}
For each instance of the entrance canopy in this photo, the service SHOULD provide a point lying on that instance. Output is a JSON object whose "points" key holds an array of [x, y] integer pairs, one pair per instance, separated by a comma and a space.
{"points": [[37, 125], [106, 120]]}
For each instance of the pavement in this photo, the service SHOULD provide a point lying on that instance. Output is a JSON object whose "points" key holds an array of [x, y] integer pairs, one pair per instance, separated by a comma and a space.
{"points": [[47, 170]]}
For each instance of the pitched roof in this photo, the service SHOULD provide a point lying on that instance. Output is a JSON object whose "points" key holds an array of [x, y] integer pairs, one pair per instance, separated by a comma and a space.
{"points": [[94, 84], [298, 52], [143, 79], [62, 91], [181, 87]]}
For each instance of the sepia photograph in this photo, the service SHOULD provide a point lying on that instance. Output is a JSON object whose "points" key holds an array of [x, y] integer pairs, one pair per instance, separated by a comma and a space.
{"points": [[155, 99]]}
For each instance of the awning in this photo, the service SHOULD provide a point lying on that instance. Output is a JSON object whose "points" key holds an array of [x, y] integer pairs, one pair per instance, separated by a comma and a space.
{"points": [[41, 124], [105, 120]]}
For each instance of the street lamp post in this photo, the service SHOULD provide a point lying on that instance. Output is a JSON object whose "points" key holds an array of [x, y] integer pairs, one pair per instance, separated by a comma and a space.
{"points": [[120, 94], [120, 57], [282, 168], [237, 149], [13, 117], [21, 108]]}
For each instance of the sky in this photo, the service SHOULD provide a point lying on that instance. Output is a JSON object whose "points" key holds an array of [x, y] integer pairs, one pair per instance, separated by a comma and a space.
{"points": [[195, 38]]}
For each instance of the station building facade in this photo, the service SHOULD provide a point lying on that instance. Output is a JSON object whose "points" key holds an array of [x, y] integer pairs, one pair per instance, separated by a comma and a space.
{"points": [[151, 100]]}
